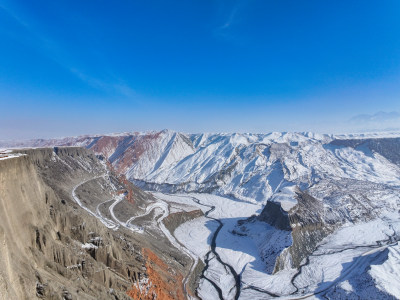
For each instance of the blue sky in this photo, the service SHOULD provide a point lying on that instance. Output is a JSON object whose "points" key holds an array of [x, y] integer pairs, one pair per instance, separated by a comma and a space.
{"points": [[76, 67]]}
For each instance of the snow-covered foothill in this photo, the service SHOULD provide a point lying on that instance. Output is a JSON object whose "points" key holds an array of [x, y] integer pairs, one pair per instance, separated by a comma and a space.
{"points": [[340, 194]]}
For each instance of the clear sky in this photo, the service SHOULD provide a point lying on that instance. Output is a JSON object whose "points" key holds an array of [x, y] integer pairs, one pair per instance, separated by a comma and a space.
{"points": [[76, 67]]}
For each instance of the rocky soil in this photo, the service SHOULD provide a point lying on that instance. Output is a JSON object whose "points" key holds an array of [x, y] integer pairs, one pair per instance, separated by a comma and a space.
{"points": [[53, 249]]}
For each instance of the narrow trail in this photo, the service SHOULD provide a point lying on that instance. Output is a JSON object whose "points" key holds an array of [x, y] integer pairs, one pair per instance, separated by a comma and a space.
{"points": [[111, 224], [108, 223], [166, 208], [149, 209], [98, 212], [116, 223]]}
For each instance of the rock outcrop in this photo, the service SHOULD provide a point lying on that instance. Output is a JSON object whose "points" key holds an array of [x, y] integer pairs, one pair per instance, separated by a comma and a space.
{"points": [[304, 221], [49, 249], [53, 249]]}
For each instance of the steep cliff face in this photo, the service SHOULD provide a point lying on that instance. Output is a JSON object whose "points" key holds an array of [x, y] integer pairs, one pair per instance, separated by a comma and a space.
{"points": [[43, 238], [323, 208], [306, 224], [23, 197], [53, 249]]}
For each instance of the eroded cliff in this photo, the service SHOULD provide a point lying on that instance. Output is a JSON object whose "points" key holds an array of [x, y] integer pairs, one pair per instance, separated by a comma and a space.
{"points": [[52, 248]]}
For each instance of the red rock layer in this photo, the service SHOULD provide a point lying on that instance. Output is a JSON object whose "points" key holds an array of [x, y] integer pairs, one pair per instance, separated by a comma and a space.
{"points": [[131, 148], [128, 191], [163, 284]]}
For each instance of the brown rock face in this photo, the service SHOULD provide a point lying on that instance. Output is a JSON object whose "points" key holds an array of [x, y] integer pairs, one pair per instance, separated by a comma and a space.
{"points": [[274, 215], [19, 222], [52, 249], [123, 151], [160, 284], [175, 219], [42, 234]]}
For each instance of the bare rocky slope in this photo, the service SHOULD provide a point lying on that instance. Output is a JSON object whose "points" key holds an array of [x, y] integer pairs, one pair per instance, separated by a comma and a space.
{"points": [[51, 248]]}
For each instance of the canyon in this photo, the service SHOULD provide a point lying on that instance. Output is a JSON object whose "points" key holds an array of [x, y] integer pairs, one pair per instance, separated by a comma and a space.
{"points": [[169, 215]]}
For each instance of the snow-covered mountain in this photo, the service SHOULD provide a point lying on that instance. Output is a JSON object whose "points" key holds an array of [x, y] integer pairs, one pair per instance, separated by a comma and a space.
{"points": [[314, 192], [250, 167]]}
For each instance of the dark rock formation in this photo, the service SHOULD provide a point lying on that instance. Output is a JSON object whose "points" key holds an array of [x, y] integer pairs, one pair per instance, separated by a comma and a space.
{"points": [[305, 221]]}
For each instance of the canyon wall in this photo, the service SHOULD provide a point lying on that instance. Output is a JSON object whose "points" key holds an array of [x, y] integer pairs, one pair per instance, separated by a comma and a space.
{"points": [[51, 248]]}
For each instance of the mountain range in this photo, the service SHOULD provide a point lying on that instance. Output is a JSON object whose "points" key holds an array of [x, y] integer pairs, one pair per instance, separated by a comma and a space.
{"points": [[276, 209]]}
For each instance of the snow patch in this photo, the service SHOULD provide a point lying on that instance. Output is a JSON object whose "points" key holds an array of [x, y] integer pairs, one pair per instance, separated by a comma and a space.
{"points": [[286, 197]]}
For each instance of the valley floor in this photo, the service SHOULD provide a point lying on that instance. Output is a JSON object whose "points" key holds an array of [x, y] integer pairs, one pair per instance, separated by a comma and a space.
{"points": [[361, 260]]}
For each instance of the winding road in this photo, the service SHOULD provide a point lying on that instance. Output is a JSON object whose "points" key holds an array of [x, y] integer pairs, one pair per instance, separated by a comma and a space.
{"points": [[108, 223], [114, 224]]}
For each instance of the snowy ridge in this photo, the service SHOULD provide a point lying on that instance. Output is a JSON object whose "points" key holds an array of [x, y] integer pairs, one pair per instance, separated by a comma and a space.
{"points": [[331, 203]]}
